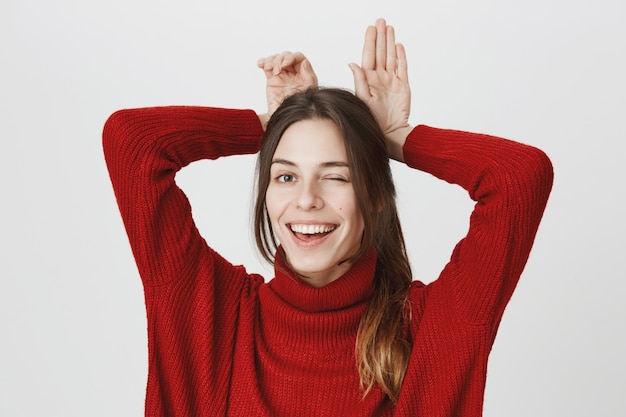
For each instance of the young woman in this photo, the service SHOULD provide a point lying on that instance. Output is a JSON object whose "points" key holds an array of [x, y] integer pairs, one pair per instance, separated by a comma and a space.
{"points": [[341, 329]]}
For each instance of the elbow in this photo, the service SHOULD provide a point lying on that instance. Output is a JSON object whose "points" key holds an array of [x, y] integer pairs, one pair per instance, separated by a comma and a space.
{"points": [[533, 178], [119, 137], [542, 170], [114, 130], [122, 136]]}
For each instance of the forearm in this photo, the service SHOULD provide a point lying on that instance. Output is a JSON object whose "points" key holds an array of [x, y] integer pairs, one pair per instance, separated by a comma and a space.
{"points": [[470, 159], [263, 119], [395, 142], [181, 133]]}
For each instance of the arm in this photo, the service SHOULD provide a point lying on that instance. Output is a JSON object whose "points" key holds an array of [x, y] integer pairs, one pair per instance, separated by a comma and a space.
{"points": [[509, 181], [144, 148]]}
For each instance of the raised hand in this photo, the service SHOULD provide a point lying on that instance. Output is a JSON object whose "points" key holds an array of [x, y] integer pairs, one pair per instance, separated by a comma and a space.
{"points": [[286, 74], [382, 82]]}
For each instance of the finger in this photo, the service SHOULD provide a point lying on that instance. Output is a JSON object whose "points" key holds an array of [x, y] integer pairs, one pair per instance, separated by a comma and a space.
{"points": [[391, 50], [277, 62], [266, 65], [368, 59], [381, 43], [265, 62], [308, 73], [291, 60], [403, 67], [361, 87]]}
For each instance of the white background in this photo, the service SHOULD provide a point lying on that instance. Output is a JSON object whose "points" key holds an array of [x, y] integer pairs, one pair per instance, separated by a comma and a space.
{"points": [[546, 72]]}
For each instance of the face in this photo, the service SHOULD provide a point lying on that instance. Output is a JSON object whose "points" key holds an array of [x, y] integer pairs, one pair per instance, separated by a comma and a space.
{"points": [[311, 202]]}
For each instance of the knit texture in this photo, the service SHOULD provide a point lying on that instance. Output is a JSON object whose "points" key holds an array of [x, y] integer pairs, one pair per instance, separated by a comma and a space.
{"points": [[223, 342]]}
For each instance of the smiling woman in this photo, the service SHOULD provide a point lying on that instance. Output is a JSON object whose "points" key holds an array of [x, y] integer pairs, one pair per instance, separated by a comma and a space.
{"points": [[342, 329], [311, 202], [342, 175]]}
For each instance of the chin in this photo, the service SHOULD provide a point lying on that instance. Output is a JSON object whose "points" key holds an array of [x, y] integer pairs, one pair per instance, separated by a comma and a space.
{"points": [[314, 274]]}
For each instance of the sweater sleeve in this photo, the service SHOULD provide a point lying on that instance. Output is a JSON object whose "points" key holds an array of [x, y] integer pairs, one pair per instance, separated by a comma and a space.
{"points": [[144, 148], [510, 183]]}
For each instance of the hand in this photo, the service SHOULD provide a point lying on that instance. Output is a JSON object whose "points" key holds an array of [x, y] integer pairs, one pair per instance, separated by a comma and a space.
{"points": [[286, 74], [382, 83]]}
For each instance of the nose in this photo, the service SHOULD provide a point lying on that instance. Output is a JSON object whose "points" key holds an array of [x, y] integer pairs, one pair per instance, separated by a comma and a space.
{"points": [[309, 197]]}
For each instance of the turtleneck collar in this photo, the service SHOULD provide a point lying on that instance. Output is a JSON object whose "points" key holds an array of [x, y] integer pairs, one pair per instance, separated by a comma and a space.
{"points": [[296, 314], [353, 287]]}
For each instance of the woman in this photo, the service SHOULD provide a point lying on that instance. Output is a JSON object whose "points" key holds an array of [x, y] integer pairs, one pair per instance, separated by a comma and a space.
{"points": [[341, 330]]}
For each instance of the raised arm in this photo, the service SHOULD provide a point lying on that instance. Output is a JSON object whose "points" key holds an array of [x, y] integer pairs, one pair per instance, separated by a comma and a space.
{"points": [[509, 181], [144, 148]]}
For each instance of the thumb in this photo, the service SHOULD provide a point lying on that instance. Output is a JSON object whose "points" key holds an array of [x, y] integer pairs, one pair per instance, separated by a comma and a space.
{"points": [[361, 87], [307, 70]]}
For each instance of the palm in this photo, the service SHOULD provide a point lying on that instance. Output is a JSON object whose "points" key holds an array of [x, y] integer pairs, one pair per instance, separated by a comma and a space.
{"points": [[382, 79], [388, 97]]}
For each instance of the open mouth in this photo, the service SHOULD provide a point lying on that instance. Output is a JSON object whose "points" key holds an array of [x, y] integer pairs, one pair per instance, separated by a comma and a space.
{"points": [[310, 232]]}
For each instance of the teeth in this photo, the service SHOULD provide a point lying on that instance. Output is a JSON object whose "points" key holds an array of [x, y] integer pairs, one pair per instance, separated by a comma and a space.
{"points": [[310, 229]]}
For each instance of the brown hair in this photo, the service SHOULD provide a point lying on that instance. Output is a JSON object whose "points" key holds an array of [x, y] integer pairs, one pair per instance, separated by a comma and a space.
{"points": [[382, 351]]}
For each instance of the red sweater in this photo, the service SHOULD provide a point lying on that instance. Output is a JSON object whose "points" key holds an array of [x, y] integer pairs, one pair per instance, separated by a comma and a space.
{"points": [[223, 342]]}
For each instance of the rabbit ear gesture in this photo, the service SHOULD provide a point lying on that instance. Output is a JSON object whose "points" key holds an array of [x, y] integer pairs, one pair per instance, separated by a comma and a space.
{"points": [[286, 74], [382, 79]]}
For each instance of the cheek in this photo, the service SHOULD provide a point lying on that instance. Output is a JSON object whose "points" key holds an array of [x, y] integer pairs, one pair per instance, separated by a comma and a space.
{"points": [[349, 210], [273, 205]]}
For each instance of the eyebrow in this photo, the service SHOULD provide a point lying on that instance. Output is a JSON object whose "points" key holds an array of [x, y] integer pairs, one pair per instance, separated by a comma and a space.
{"points": [[328, 164]]}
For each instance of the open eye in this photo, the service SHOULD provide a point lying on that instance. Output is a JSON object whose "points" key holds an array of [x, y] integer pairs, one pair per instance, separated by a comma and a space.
{"points": [[285, 178]]}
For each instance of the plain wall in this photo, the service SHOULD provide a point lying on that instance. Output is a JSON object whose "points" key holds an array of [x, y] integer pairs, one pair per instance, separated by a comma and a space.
{"points": [[545, 72]]}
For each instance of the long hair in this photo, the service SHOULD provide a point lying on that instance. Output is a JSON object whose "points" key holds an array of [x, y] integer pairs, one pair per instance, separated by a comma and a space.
{"points": [[382, 349]]}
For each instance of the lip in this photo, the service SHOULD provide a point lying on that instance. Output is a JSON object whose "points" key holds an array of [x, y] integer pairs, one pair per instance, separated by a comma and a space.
{"points": [[314, 243]]}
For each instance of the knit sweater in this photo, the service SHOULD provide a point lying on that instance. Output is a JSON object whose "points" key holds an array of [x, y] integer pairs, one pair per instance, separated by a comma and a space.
{"points": [[223, 342]]}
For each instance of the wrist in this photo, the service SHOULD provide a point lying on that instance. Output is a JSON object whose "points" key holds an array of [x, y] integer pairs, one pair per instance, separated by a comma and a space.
{"points": [[263, 118], [395, 142]]}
